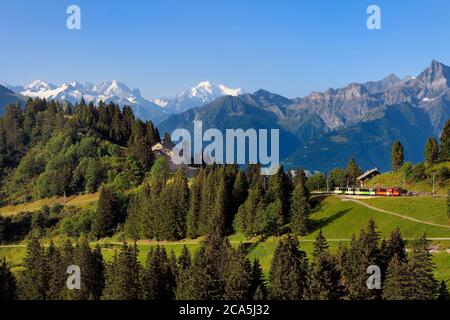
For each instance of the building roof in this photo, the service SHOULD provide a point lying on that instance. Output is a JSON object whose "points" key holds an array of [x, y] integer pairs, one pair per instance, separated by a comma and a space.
{"points": [[369, 173]]}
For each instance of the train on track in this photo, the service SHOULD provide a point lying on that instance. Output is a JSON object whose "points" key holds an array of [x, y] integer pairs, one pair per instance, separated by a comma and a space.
{"points": [[378, 192]]}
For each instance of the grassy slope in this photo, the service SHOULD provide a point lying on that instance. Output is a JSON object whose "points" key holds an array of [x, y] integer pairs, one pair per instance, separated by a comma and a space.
{"points": [[337, 219], [395, 179], [431, 209], [82, 201]]}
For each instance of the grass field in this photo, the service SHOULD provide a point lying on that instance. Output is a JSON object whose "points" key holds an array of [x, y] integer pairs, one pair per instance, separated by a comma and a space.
{"points": [[337, 219], [81, 201], [395, 179], [431, 209]]}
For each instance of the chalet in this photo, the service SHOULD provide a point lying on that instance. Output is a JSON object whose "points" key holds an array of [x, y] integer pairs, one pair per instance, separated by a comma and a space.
{"points": [[166, 150], [367, 176]]}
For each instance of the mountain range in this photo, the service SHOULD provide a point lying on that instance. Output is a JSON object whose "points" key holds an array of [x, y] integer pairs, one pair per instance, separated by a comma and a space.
{"points": [[324, 129], [318, 132], [119, 93]]}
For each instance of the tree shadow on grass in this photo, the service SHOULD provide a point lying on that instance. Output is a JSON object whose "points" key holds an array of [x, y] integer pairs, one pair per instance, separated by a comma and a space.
{"points": [[322, 223], [316, 203]]}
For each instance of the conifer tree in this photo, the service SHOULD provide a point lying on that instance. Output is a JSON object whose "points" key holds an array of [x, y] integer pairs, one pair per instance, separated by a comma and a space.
{"points": [[240, 191], [33, 282], [208, 270], [159, 278], [443, 291], [362, 253], [92, 270], [108, 215], [123, 279], [397, 155], [353, 172], [220, 213], [8, 288], [183, 291], [238, 282], [300, 210], [192, 220], [431, 151], [422, 284], [56, 274], [288, 277], [258, 290], [445, 142], [325, 274], [396, 284]]}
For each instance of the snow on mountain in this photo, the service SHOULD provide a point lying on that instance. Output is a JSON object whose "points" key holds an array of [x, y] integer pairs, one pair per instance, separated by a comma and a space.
{"points": [[196, 96], [119, 93], [109, 91]]}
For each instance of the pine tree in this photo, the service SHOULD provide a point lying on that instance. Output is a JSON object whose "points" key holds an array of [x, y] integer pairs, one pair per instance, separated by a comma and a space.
{"points": [[240, 191], [397, 155], [258, 288], [432, 151], [108, 215], [325, 274], [158, 278], [422, 284], [396, 284], [8, 289], [353, 172], [238, 282], [362, 253], [123, 280], [208, 270], [445, 142], [192, 220], [444, 294], [184, 290], [219, 214], [33, 282], [248, 219], [300, 210], [92, 270], [289, 271], [56, 274]]}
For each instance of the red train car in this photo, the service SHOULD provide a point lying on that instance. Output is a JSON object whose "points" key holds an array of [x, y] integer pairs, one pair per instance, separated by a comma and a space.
{"points": [[389, 192]]}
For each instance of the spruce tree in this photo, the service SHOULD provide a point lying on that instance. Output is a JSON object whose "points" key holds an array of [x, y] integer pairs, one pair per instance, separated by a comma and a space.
{"points": [[33, 281], [56, 274], [422, 284], [395, 286], [300, 210], [258, 288], [208, 270], [325, 274], [240, 191], [445, 142], [362, 253], [238, 282], [123, 276], [353, 172], [108, 214], [192, 220], [397, 155], [8, 288], [184, 290], [431, 151], [443, 294], [159, 278], [288, 277]]}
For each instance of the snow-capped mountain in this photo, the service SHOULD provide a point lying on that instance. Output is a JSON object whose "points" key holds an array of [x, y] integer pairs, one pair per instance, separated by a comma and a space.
{"points": [[196, 96], [119, 93], [109, 91]]}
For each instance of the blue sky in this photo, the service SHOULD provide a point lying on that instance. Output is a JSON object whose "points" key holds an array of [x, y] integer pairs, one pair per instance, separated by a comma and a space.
{"points": [[291, 47]]}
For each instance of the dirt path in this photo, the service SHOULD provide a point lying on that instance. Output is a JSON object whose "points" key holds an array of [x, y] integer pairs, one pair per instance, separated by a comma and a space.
{"points": [[394, 214]]}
